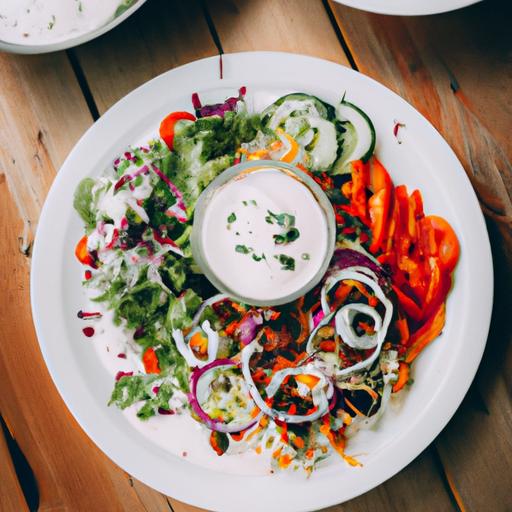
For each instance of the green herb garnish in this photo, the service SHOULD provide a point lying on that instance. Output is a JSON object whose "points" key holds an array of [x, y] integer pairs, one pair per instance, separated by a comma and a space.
{"points": [[255, 257], [285, 238], [305, 256], [287, 262], [231, 218], [243, 249], [284, 220]]}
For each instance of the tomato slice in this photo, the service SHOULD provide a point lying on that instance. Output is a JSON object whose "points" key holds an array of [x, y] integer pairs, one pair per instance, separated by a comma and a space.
{"points": [[168, 124], [448, 248]]}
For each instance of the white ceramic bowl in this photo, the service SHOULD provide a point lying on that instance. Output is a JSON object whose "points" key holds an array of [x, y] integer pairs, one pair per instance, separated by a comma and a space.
{"points": [[408, 7], [71, 41]]}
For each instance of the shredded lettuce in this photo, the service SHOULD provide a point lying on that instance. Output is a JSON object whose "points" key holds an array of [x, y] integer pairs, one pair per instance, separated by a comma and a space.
{"points": [[83, 202], [182, 309]]}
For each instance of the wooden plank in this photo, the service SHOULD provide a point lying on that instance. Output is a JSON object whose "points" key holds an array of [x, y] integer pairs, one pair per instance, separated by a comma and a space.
{"points": [[417, 487], [162, 35], [42, 114], [297, 26], [11, 495], [457, 72]]}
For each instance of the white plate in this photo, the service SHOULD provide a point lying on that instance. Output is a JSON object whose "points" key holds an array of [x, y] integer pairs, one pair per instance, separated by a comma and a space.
{"points": [[408, 7], [443, 372], [71, 41]]}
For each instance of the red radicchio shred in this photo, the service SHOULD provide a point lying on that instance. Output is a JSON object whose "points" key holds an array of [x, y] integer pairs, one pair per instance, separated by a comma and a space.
{"points": [[344, 258], [396, 129], [121, 181], [115, 238], [88, 314], [124, 223], [88, 331], [217, 109], [139, 332], [163, 411], [121, 355], [163, 240], [156, 389], [87, 275], [119, 375], [196, 102]]}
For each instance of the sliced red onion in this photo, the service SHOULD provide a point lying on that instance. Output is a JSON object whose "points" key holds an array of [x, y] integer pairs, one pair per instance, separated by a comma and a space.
{"points": [[347, 258], [194, 399], [320, 397], [248, 326]]}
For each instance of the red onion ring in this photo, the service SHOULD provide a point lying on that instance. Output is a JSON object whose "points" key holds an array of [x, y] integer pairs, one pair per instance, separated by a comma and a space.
{"points": [[211, 423]]}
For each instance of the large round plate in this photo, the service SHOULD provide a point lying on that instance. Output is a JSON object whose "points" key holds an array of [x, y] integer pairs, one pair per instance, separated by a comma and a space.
{"points": [[71, 41], [443, 372], [408, 7]]}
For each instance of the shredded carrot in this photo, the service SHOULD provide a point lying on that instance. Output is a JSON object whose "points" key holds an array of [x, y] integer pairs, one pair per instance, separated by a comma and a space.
{"points": [[403, 376], [309, 453], [238, 307], [257, 449], [231, 327], [298, 442], [353, 407]]}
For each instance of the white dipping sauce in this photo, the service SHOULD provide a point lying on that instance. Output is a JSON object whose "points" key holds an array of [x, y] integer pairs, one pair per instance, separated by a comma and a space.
{"points": [[51, 21], [249, 199]]}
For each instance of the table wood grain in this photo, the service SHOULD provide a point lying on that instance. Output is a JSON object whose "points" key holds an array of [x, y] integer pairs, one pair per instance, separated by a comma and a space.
{"points": [[454, 68]]}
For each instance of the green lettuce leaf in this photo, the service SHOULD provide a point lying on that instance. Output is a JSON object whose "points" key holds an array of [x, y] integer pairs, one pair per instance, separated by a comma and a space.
{"points": [[182, 309], [83, 202]]}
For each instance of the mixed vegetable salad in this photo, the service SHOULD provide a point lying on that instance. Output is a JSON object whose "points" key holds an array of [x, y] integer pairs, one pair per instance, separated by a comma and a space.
{"points": [[293, 380]]}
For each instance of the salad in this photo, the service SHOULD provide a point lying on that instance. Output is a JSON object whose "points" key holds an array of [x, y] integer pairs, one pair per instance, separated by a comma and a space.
{"points": [[295, 380]]}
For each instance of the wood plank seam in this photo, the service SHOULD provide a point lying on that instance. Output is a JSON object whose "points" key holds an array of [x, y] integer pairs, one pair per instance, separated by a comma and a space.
{"points": [[83, 83], [339, 34]]}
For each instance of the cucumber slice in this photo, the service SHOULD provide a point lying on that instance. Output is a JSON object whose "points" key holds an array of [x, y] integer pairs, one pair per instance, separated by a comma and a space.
{"points": [[295, 104], [358, 140], [324, 146]]}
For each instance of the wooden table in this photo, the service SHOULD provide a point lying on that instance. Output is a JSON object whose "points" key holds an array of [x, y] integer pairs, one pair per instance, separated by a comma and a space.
{"points": [[454, 68]]}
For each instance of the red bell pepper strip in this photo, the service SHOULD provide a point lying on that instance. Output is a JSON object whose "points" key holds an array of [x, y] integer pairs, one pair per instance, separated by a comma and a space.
{"points": [[360, 181], [150, 360], [168, 124], [82, 254], [409, 306], [378, 206], [428, 332]]}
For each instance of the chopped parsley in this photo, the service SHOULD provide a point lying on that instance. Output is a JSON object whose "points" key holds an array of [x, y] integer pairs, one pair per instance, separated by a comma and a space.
{"points": [[255, 257], [285, 238], [285, 220], [231, 218], [243, 249], [52, 22], [305, 256], [287, 262]]}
